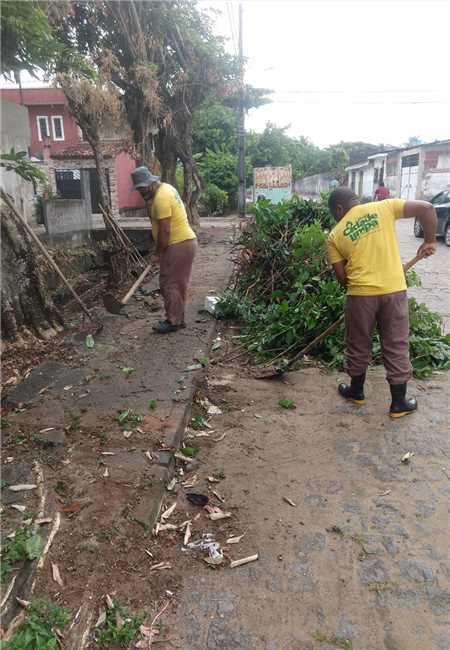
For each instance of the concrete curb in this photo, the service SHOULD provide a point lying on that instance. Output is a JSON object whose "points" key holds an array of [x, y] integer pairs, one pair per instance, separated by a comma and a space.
{"points": [[166, 459]]}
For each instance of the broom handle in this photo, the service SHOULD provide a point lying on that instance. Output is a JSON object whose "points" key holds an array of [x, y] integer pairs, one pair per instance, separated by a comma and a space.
{"points": [[47, 256], [333, 327], [130, 292]]}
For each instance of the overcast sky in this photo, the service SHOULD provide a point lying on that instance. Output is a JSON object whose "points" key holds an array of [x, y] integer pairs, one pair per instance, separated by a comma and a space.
{"points": [[367, 70], [372, 70]]}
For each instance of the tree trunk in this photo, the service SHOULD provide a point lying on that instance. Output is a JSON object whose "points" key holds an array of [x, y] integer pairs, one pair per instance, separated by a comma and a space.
{"points": [[27, 306], [167, 156], [191, 191], [100, 166], [192, 181]]}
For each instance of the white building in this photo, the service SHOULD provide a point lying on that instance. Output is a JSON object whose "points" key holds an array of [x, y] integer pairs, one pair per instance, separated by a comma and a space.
{"points": [[412, 173]]}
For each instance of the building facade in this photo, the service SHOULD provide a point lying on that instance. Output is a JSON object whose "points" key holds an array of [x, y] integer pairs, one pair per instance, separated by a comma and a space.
{"points": [[57, 140], [418, 172]]}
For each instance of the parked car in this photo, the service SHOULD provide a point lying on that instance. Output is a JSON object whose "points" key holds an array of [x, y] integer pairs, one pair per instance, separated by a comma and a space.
{"points": [[441, 203]]}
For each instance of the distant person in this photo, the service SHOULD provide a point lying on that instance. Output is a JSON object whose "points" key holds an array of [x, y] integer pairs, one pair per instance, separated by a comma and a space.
{"points": [[363, 250], [382, 192], [176, 245]]}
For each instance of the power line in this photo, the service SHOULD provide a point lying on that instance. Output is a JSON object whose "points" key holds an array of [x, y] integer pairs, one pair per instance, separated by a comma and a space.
{"points": [[357, 92], [385, 103]]}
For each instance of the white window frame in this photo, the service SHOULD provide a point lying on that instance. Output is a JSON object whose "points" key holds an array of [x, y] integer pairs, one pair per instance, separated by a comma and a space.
{"points": [[42, 117], [57, 117]]}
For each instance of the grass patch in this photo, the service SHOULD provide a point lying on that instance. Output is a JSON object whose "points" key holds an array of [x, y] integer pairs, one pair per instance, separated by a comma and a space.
{"points": [[338, 641], [25, 545], [120, 628], [38, 630], [287, 404], [379, 587], [128, 417]]}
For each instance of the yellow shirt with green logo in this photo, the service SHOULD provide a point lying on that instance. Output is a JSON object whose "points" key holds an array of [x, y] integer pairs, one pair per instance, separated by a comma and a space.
{"points": [[167, 203], [366, 239]]}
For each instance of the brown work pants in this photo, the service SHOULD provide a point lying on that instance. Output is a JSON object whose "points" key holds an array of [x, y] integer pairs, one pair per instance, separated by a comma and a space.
{"points": [[390, 313], [175, 268]]}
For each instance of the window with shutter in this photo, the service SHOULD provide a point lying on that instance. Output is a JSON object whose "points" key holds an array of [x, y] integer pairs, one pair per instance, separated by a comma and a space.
{"points": [[58, 127], [43, 129]]}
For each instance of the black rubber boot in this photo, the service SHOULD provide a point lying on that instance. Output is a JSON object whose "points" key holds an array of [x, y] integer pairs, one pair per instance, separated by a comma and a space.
{"points": [[354, 391], [401, 406]]}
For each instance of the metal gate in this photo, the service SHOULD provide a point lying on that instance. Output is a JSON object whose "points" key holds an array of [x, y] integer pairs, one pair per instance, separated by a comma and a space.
{"points": [[409, 177], [68, 185]]}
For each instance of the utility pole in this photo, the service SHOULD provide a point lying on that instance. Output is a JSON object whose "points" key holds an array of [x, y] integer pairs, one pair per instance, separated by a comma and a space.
{"points": [[241, 123]]}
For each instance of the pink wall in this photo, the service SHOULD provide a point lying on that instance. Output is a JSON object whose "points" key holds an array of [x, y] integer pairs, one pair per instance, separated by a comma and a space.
{"points": [[71, 136], [127, 197], [45, 102]]}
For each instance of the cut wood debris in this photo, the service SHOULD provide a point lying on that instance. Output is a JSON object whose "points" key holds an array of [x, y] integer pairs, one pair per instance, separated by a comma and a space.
{"points": [[244, 560], [56, 574], [18, 507], [218, 496], [235, 540], [101, 617], [187, 533], [216, 516], [291, 503], [182, 457], [166, 514], [190, 482], [170, 486], [22, 487], [161, 566]]}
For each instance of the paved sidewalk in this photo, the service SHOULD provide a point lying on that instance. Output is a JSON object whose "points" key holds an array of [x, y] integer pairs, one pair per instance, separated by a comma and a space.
{"points": [[108, 484]]}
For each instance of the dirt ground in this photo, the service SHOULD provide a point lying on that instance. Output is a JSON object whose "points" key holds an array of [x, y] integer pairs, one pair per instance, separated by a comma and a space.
{"points": [[103, 480], [352, 543]]}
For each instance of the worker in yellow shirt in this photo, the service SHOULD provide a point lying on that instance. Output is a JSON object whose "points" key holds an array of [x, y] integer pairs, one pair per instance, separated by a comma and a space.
{"points": [[176, 245], [364, 252]]}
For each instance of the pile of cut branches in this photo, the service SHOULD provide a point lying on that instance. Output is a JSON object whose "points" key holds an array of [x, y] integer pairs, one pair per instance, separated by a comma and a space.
{"points": [[285, 294]]}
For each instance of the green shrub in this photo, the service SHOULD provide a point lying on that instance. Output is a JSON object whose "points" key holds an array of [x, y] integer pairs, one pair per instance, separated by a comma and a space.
{"points": [[214, 200], [286, 294]]}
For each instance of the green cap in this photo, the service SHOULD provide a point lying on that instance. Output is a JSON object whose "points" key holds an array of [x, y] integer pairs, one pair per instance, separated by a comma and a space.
{"points": [[142, 177]]}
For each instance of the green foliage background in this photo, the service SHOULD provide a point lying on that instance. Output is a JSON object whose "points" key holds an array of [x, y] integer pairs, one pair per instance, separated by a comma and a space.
{"points": [[285, 293]]}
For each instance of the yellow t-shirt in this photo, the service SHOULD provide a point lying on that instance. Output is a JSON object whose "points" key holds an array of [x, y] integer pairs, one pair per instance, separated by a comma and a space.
{"points": [[366, 238], [168, 203]]}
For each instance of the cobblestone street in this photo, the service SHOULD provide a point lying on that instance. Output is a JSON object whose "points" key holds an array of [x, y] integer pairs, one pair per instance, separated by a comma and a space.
{"points": [[434, 272], [359, 559]]}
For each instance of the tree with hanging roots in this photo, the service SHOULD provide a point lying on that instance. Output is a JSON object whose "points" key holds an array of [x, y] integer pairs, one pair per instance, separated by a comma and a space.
{"points": [[27, 306], [166, 62]]}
